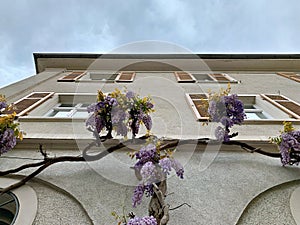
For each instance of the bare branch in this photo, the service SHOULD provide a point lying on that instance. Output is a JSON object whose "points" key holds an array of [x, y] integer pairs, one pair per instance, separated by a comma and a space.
{"points": [[172, 143]]}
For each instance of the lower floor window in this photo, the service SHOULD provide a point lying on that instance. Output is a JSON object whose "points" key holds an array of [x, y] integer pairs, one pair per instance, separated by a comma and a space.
{"points": [[69, 110], [9, 208]]}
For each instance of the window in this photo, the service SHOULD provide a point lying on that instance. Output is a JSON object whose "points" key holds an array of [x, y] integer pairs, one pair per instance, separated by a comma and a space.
{"points": [[185, 77], [68, 110], [291, 75], [18, 206], [62, 107], [9, 207], [71, 77], [256, 107], [108, 76]]}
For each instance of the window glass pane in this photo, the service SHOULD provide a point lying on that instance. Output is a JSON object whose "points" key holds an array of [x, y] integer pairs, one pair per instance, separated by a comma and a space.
{"points": [[202, 77], [247, 106], [80, 114], [255, 116], [67, 105], [103, 76], [84, 105], [61, 113]]}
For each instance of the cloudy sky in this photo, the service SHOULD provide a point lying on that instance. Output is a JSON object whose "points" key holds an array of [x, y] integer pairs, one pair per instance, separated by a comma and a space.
{"points": [[99, 26]]}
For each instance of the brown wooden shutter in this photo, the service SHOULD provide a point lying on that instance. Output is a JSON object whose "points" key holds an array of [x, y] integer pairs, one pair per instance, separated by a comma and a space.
{"points": [[74, 76], [285, 104], [184, 77], [125, 76], [220, 77], [195, 100], [29, 102], [291, 75]]}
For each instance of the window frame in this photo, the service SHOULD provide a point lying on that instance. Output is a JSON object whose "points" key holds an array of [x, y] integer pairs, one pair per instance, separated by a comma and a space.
{"points": [[72, 111], [39, 114], [213, 77], [259, 101]]}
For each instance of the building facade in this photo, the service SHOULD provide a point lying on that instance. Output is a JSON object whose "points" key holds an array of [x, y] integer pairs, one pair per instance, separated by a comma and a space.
{"points": [[222, 182]]}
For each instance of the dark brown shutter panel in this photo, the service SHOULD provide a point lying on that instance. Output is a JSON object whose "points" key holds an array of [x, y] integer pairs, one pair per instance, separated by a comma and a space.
{"points": [[71, 77], [285, 104], [198, 96], [184, 77], [125, 77], [220, 77], [294, 107], [276, 97]]}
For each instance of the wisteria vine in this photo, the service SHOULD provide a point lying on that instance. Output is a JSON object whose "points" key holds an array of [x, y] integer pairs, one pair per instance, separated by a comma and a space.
{"points": [[289, 144], [228, 110], [153, 166]]}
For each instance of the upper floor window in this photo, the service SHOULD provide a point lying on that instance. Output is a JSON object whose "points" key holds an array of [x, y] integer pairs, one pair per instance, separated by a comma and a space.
{"points": [[185, 77], [98, 76]]}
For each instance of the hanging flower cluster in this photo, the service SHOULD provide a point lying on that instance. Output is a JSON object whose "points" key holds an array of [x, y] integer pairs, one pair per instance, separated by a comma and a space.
{"points": [[289, 144], [9, 131], [134, 220], [226, 109], [120, 112], [147, 220], [153, 167]]}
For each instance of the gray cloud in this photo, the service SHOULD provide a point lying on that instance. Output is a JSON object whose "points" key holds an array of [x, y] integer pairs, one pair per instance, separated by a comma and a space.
{"points": [[29, 26]]}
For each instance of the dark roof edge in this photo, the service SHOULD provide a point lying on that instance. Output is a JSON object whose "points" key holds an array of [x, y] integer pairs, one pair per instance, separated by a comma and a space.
{"points": [[172, 56], [167, 56]]}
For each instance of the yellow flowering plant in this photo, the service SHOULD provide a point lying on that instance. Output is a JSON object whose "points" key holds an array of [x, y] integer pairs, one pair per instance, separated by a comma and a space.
{"points": [[9, 129]]}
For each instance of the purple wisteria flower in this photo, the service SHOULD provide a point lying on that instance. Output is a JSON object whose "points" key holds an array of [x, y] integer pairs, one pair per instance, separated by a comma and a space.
{"points": [[228, 110], [120, 112], [145, 154], [176, 165], [3, 105], [130, 94], [147, 220], [147, 121], [166, 165], [138, 195], [148, 172], [289, 142], [8, 141], [153, 168]]}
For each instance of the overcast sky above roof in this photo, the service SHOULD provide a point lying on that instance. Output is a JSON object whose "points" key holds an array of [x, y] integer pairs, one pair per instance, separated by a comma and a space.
{"points": [[99, 26]]}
